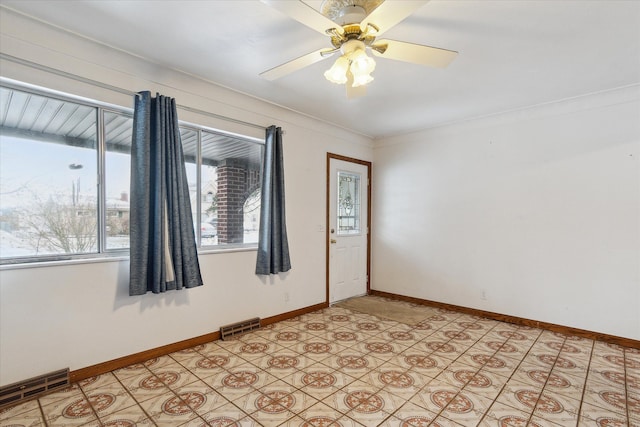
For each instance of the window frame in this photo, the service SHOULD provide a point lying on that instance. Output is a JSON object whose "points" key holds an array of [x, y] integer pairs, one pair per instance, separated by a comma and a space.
{"points": [[102, 252]]}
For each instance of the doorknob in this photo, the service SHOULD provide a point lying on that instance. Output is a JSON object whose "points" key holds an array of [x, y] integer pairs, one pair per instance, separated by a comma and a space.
{"points": [[333, 241]]}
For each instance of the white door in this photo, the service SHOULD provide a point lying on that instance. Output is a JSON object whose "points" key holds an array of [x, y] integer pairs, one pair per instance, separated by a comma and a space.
{"points": [[348, 229]]}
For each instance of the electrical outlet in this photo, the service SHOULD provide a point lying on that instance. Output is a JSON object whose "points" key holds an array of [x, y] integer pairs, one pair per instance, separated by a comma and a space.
{"points": [[483, 295], [286, 297]]}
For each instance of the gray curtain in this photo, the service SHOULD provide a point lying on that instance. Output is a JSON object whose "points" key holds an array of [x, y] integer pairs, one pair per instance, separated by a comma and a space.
{"points": [[162, 239], [273, 247]]}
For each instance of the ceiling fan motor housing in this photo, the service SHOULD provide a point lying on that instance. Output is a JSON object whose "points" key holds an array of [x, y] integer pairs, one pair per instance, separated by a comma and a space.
{"points": [[350, 32], [346, 12], [351, 14]]}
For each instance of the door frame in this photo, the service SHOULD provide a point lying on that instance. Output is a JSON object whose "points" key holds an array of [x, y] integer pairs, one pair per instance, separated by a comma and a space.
{"points": [[328, 226]]}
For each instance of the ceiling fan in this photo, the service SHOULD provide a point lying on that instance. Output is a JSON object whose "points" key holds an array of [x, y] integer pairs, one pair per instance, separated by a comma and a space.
{"points": [[354, 27]]}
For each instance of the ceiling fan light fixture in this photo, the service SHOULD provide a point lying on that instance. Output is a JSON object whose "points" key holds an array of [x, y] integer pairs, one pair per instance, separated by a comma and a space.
{"points": [[361, 79], [362, 66], [338, 71], [361, 63]]}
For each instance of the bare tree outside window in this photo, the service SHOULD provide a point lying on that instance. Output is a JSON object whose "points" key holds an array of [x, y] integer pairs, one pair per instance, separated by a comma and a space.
{"points": [[54, 226]]}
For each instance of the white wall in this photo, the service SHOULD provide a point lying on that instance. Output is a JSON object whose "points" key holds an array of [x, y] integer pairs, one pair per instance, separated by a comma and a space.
{"points": [[533, 213], [78, 315]]}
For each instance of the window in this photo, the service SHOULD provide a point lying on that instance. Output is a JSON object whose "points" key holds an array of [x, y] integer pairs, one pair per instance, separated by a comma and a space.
{"points": [[48, 172], [348, 203], [117, 164], [65, 172]]}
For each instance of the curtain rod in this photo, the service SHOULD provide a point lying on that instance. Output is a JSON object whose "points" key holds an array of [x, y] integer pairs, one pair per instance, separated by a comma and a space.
{"points": [[116, 89]]}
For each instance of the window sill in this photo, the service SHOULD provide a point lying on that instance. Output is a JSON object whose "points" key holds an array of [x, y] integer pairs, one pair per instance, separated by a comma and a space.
{"points": [[63, 262], [109, 258], [214, 250]]}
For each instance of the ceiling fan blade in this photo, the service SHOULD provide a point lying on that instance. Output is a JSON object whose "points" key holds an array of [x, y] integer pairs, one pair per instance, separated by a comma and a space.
{"points": [[296, 64], [390, 13], [414, 53], [354, 92], [304, 14]]}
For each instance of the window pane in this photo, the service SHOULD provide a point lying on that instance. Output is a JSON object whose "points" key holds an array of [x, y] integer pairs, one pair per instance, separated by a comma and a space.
{"points": [[48, 176], [230, 188], [251, 213], [348, 203], [209, 204], [189, 138], [118, 130]]}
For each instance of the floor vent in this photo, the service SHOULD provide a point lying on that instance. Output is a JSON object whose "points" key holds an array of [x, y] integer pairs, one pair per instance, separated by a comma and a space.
{"points": [[33, 387], [229, 331]]}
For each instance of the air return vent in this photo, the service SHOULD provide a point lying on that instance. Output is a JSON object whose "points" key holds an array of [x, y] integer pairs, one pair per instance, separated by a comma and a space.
{"points": [[33, 387], [229, 331]]}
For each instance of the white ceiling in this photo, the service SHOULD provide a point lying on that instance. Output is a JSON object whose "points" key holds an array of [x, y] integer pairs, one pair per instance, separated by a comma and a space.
{"points": [[512, 54]]}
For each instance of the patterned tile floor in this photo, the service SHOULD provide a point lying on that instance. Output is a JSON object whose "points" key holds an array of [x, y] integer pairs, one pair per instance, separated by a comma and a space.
{"points": [[337, 367]]}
